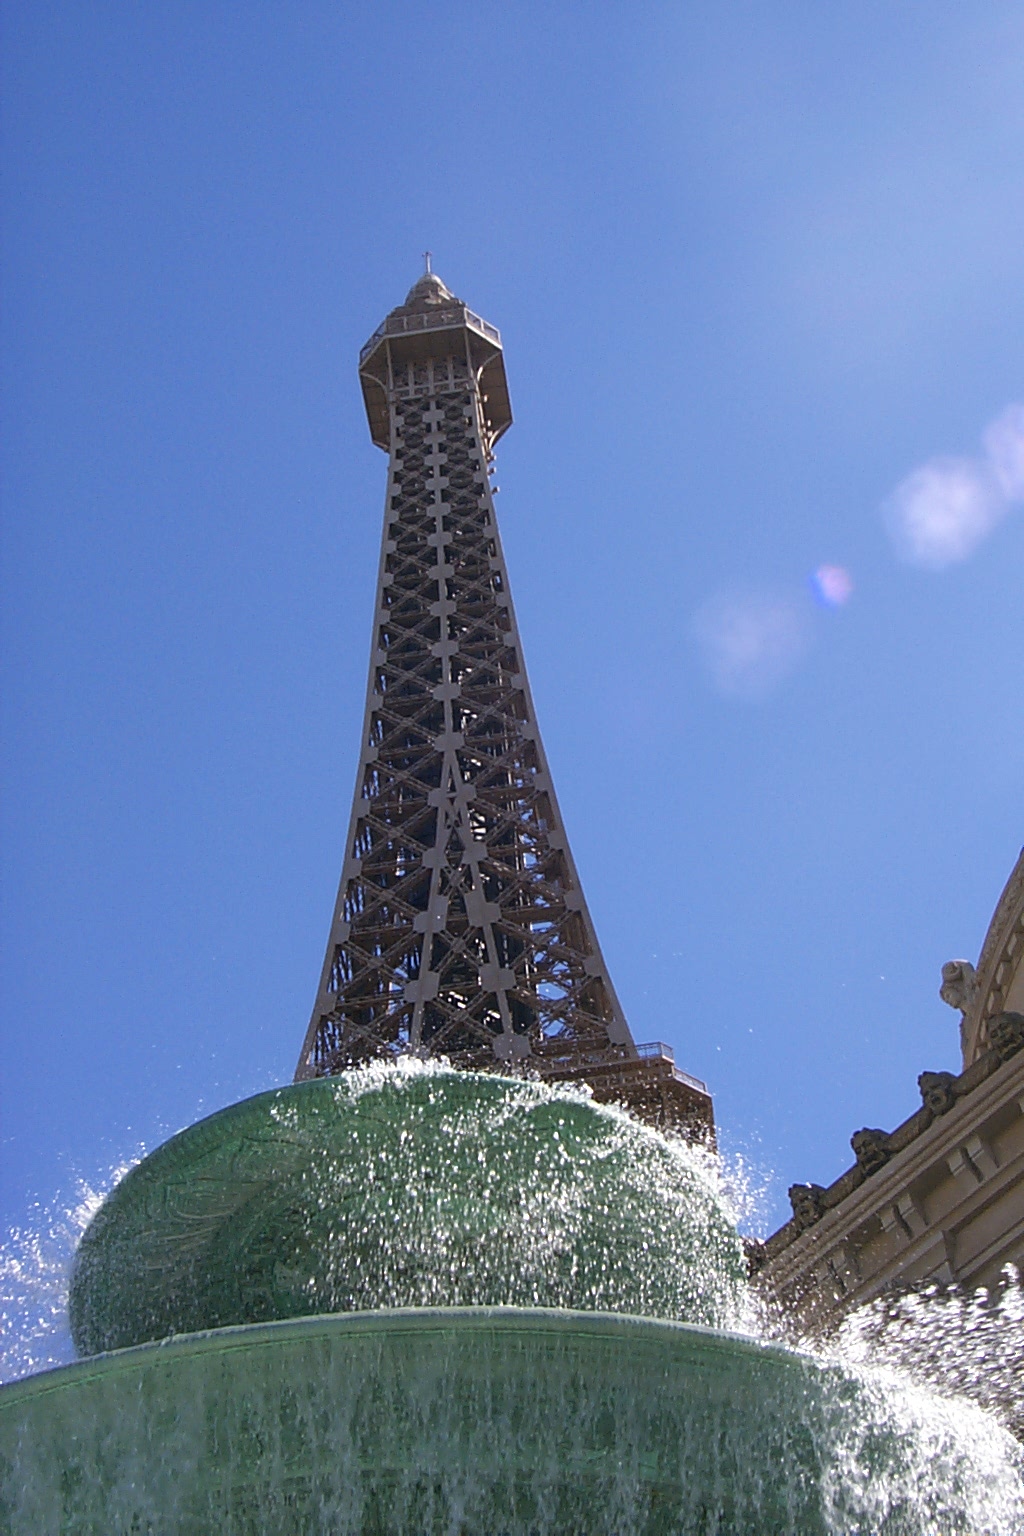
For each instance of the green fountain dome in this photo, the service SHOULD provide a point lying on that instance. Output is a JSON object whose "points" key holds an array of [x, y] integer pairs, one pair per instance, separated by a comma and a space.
{"points": [[405, 1186]]}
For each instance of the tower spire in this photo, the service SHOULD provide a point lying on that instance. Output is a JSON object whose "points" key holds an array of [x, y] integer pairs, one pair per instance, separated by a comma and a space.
{"points": [[460, 926]]}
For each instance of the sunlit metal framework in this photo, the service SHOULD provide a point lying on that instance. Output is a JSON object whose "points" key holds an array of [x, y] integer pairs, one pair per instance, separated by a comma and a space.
{"points": [[460, 927]]}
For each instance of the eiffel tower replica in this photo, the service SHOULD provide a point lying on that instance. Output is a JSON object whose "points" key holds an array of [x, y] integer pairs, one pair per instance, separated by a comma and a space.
{"points": [[460, 927]]}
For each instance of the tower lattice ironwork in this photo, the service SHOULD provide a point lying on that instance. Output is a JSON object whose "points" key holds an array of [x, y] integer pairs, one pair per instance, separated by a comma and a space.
{"points": [[460, 927]]}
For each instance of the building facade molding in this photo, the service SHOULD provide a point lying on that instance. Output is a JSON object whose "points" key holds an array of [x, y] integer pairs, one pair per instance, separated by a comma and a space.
{"points": [[940, 1198], [948, 1207], [999, 981]]}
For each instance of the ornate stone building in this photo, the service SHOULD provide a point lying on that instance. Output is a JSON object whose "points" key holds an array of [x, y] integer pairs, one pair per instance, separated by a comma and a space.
{"points": [[942, 1196]]}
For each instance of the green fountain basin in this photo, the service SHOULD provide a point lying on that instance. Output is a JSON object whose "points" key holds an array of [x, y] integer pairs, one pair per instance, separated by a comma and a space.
{"points": [[468, 1423], [511, 1287], [394, 1187]]}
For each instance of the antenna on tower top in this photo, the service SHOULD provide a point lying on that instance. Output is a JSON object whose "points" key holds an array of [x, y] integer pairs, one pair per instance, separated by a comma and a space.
{"points": [[427, 258]]}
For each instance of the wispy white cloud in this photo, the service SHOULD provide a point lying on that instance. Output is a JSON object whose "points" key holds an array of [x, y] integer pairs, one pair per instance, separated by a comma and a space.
{"points": [[943, 510], [750, 641]]}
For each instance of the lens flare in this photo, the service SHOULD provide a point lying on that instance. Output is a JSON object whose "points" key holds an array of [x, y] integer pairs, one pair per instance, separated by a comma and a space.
{"points": [[832, 585]]}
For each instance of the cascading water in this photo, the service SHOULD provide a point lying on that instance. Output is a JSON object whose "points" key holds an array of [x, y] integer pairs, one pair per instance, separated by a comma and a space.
{"points": [[411, 1300], [966, 1343]]}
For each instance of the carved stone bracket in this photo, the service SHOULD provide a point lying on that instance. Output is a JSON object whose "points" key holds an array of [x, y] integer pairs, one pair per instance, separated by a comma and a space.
{"points": [[808, 1202], [1006, 1032], [871, 1148], [938, 1091]]}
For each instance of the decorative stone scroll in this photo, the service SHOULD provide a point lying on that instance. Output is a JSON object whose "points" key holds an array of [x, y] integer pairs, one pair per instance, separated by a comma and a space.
{"points": [[959, 984]]}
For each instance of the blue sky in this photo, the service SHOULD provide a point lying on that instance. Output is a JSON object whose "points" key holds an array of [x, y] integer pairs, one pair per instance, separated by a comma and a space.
{"points": [[757, 269]]}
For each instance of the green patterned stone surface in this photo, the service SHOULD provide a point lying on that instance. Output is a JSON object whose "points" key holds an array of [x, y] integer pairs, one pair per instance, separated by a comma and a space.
{"points": [[391, 1187]]}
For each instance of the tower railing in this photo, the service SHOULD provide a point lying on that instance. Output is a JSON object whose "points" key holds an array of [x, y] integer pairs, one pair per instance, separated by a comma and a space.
{"points": [[651, 1049], [448, 318]]}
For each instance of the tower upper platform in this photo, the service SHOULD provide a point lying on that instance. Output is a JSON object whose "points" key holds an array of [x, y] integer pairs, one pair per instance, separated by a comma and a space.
{"points": [[433, 323]]}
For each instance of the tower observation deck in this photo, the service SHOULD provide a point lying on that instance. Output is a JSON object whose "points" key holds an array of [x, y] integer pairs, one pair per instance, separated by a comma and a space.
{"points": [[460, 927]]}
